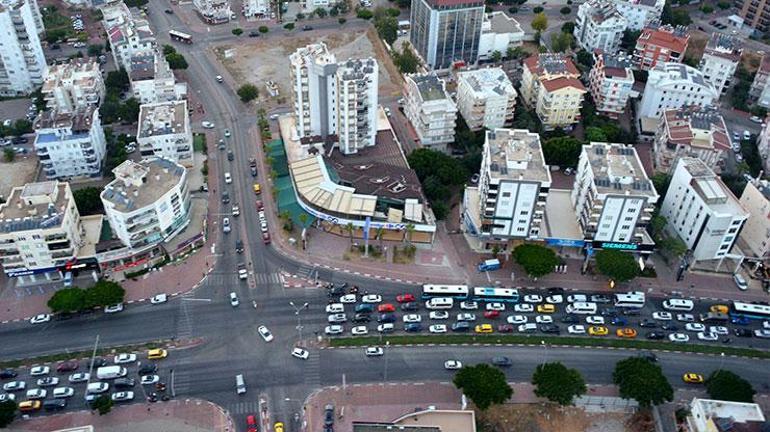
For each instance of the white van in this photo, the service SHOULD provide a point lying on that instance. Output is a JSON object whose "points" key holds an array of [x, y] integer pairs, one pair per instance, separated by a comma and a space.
{"points": [[440, 303], [582, 308], [335, 308], [678, 305], [240, 385], [97, 387], [111, 372]]}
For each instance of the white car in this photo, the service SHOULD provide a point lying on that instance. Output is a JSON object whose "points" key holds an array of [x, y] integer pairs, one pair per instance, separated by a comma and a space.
{"points": [[533, 298], [762, 333], [337, 318], [439, 315], [544, 319], [158, 299], [36, 394], [348, 298], [453, 365], [386, 328], [500, 307], [523, 308], [575, 298], [412, 318], [695, 327], [437, 328], [14, 386], [113, 308], [228, 178], [236, 211], [517, 319], [766, 325], [595, 320], [207, 125], [662, 316], [149, 379], [708, 337], [39, 319], [576, 329], [719, 330], [359, 330], [335, 308], [227, 133], [79, 377], [63, 392], [39, 370], [333, 330], [527, 328], [466, 316], [263, 226], [300, 353], [374, 351], [265, 333], [123, 396], [124, 358], [469, 305], [234, 302], [371, 298], [226, 227], [7, 396], [555, 299], [678, 337], [685, 317], [48, 382]]}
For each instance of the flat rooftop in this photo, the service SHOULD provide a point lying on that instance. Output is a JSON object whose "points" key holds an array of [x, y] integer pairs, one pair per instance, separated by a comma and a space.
{"points": [[78, 121], [701, 127], [139, 184], [142, 67], [34, 206], [725, 46], [711, 189], [162, 118], [82, 73], [739, 411], [551, 64], [617, 169], [488, 82], [430, 86], [501, 23], [516, 154]]}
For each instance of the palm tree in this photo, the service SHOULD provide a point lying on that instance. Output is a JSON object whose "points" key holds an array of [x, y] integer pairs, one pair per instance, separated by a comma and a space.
{"points": [[349, 227], [409, 232], [303, 219], [378, 234]]}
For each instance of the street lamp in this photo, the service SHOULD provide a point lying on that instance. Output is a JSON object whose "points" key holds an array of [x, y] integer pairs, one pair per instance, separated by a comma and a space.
{"points": [[297, 310], [385, 377], [721, 362], [545, 351]]}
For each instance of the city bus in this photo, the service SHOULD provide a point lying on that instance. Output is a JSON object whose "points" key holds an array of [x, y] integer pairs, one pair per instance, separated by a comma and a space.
{"points": [[630, 300], [180, 37], [489, 294], [750, 310], [451, 291]]}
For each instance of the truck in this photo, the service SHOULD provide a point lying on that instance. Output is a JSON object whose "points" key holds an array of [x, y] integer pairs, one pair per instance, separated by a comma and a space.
{"points": [[111, 372], [489, 265]]}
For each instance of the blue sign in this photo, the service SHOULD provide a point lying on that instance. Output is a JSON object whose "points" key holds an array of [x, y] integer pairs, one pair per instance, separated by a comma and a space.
{"points": [[367, 225], [565, 242], [27, 272]]}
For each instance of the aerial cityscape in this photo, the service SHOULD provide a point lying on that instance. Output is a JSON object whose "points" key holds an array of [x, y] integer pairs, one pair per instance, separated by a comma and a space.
{"points": [[385, 215]]}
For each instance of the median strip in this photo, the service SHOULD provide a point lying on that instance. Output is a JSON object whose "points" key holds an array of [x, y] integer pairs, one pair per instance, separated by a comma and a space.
{"points": [[550, 340], [78, 355]]}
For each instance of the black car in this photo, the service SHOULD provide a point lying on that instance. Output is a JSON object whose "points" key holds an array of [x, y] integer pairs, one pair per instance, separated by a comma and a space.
{"points": [[54, 404], [650, 357], [168, 11], [632, 312], [742, 332], [19, 140], [253, 33], [361, 317], [99, 362], [601, 298], [253, 171], [570, 319], [307, 28], [410, 306], [549, 328], [148, 369], [413, 327], [239, 246], [648, 323], [230, 155], [669, 327], [610, 312], [225, 197], [555, 290], [329, 415], [461, 326], [8, 373], [502, 361], [337, 289], [123, 383], [386, 318], [653, 335]]}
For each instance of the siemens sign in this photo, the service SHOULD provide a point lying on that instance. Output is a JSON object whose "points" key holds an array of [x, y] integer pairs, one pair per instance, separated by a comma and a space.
{"points": [[596, 244]]}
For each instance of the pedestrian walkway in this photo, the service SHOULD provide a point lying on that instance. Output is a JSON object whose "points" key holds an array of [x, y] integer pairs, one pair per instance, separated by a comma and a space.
{"points": [[241, 408], [267, 278], [312, 370]]}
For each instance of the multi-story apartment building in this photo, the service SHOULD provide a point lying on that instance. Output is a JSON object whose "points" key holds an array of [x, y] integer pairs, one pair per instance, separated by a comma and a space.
{"points": [[70, 144], [73, 85], [164, 132], [550, 84], [498, 33], [720, 60], [612, 196], [128, 36], [258, 9], [214, 11], [509, 202], [755, 14], [485, 98], [690, 131], [763, 145], [664, 44], [760, 90], [22, 63], [152, 80], [640, 13], [40, 229], [702, 211], [611, 83], [334, 101], [444, 32], [430, 110], [148, 202], [754, 238], [599, 25], [672, 86]]}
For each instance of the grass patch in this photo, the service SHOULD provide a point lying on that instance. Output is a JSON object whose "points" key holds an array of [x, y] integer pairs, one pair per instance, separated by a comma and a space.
{"points": [[52, 358], [199, 143], [551, 340]]}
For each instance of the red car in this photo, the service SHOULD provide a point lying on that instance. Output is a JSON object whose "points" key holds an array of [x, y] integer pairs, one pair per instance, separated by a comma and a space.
{"points": [[251, 422], [491, 314], [67, 366], [505, 328], [405, 298], [386, 307], [260, 206], [266, 238]]}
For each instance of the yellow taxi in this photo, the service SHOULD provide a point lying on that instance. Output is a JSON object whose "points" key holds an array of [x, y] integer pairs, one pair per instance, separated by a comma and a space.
{"points": [[598, 331], [484, 328], [625, 332], [692, 378], [29, 405], [278, 427], [157, 354], [546, 308], [719, 308], [257, 188]]}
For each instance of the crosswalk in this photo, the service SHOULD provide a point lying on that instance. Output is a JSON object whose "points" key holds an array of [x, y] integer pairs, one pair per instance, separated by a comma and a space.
{"points": [[182, 380], [230, 279], [313, 370], [184, 324], [245, 407], [306, 272], [267, 278]]}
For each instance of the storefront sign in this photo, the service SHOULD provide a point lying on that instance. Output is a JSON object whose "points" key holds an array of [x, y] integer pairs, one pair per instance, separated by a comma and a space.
{"points": [[565, 242]]}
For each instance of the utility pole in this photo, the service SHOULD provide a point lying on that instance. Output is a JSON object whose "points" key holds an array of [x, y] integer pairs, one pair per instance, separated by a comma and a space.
{"points": [[91, 363], [297, 310]]}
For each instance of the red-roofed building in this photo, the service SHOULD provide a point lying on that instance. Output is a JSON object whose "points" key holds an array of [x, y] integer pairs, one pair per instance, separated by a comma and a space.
{"points": [[690, 131], [659, 45], [550, 84], [611, 83]]}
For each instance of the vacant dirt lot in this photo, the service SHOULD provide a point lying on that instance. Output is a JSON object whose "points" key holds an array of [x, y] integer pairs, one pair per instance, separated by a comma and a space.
{"points": [[549, 418], [17, 173], [268, 58]]}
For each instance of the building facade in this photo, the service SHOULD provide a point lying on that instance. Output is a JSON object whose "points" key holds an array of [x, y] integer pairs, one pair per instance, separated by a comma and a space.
{"points": [[214, 11], [356, 104], [148, 202], [599, 25], [70, 145], [672, 86], [720, 60], [498, 33], [754, 238], [664, 44], [755, 14], [164, 132], [152, 79], [763, 145], [640, 13], [74, 85], [430, 110], [612, 196], [444, 32], [550, 84], [485, 98], [611, 83], [22, 63], [690, 131], [702, 211], [759, 92]]}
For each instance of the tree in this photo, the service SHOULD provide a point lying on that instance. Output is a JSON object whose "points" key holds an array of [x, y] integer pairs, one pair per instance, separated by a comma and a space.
{"points": [[537, 9], [263, 29], [289, 26], [103, 404], [94, 50], [364, 14], [585, 58], [448, 170], [342, 20], [568, 27], [562, 151], [707, 9], [561, 42], [387, 27], [88, 201], [618, 266], [540, 22], [67, 300], [485, 385], [7, 412], [248, 92], [177, 61], [9, 155], [558, 383], [642, 380], [661, 182], [497, 56], [566, 10], [409, 233], [406, 61], [628, 43], [104, 293], [118, 80], [537, 260], [129, 110], [321, 12], [724, 5], [237, 31], [350, 228], [168, 49], [300, 16], [595, 134], [727, 386]]}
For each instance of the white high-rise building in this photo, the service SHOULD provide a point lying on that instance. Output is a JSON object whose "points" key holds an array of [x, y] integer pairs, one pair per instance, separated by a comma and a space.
{"points": [[485, 98], [430, 110], [720, 60], [702, 211], [22, 63], [214, 11], [640, 13], [754, 238], [148, 202], [599, 25], [356, 104], [128, 36], [164, 131], [152, 80], [70, 144], [73, 85]]}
